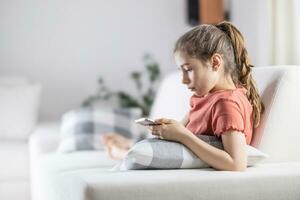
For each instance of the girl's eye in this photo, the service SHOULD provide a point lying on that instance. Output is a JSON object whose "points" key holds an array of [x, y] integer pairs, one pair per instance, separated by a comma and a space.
{"points": [[185, 70], [188, 70]]}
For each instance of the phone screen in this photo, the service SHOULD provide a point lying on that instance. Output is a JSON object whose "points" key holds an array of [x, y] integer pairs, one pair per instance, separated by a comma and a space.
{"points": [[146, 122]]}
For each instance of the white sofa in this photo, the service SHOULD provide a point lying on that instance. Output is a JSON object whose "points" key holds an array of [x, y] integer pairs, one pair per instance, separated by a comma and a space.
{"points": [[86, 175], [19, 101]]}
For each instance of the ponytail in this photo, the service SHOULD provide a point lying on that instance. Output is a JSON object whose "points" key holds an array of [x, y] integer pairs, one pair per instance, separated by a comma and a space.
{"points": [[243, 70]]}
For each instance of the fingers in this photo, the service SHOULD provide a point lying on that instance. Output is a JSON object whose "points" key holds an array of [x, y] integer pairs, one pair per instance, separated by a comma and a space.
{"points": [[150, 128], [164, 121], [155, 130]]}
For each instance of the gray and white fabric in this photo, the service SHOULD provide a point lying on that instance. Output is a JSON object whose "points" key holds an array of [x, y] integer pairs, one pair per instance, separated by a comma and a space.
{"points": [[81, 129], [155, 153]]}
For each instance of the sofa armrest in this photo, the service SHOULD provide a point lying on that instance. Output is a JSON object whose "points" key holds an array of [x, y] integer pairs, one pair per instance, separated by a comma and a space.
{"points": [[44, 139]]}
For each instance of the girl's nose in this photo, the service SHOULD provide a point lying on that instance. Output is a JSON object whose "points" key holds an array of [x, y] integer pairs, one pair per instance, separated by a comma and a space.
{"points": [[185, 79]]}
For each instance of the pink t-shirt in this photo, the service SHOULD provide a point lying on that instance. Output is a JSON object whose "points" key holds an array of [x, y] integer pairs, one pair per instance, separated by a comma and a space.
{"points": [[220, 111]]}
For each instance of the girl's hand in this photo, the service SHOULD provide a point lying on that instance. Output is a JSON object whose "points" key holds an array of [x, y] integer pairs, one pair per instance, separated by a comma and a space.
{"points": [[169, 130]]}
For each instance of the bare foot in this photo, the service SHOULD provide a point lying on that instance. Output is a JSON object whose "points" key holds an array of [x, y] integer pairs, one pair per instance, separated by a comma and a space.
{"points": [[116, 145]]}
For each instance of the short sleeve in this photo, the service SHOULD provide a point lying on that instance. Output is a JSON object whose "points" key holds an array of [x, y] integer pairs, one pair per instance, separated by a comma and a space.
{"points": [[227, 115]]}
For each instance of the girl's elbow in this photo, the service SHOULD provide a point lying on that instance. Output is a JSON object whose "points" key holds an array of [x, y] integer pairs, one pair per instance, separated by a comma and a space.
{"points": [[241, 167], [237, 167]]}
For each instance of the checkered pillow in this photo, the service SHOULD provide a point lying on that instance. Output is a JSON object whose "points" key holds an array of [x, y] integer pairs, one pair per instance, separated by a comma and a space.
{"points": [[161, 154], [81, 128]]}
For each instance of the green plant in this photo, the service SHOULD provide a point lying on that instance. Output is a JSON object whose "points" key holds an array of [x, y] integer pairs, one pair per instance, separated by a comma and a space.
{"points": [[103, 93], [145, 98]]}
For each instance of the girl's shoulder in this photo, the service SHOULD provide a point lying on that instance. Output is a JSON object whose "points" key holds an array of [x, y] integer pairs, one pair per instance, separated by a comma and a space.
{"points": [[237, 96], [238, 92]]}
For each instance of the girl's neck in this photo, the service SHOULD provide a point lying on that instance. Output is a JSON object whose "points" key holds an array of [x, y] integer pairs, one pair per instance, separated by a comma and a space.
{"points": [[224, 84]]}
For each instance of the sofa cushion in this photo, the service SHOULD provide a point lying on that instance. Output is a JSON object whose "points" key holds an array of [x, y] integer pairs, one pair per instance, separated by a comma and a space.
{"points": [[47, 166], [19, 104], [263, 181], [81, 129], [44, 139], [45, 162], [14, 158], [55, 162], [162, 154], [43, 144]]}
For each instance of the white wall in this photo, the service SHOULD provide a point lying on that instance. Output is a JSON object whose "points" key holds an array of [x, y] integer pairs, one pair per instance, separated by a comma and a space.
{"points": [[66, 45], [251, 17]]}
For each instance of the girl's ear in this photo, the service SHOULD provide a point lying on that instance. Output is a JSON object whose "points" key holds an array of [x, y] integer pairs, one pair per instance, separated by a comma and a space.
{"points": [[216, 61]]}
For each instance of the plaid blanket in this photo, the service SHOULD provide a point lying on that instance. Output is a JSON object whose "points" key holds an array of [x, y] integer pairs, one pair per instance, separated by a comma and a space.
{"points": [[82, 128], [161, 154]]}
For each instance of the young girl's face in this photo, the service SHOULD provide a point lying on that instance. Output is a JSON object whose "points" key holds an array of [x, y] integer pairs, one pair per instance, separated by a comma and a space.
{"points": [[198, 76]]}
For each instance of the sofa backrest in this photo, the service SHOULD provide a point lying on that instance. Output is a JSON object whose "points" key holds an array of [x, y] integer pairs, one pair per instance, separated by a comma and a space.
{"points": [[278, 134], [279, 86], [172, 99], [19, 105]]}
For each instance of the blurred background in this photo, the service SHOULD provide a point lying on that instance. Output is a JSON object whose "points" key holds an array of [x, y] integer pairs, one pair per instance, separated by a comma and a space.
{"points": [[67, 45]]}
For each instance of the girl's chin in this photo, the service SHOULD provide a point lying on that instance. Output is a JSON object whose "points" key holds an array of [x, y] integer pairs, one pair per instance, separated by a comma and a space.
{"points": [[199, 94]]}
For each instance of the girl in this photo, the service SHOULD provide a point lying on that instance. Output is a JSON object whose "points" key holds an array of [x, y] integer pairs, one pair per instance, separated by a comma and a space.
{"points": [[215, 66]]}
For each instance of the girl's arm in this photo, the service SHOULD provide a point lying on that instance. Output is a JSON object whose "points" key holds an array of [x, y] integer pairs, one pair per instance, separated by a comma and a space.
{"points": [[233, 157]]}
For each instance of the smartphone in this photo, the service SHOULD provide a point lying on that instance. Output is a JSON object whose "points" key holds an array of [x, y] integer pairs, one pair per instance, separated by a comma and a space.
{"points": [[147, 122]]}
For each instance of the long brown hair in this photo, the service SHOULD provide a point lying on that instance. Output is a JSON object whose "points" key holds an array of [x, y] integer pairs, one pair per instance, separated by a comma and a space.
{"points": [[205, 40]]}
